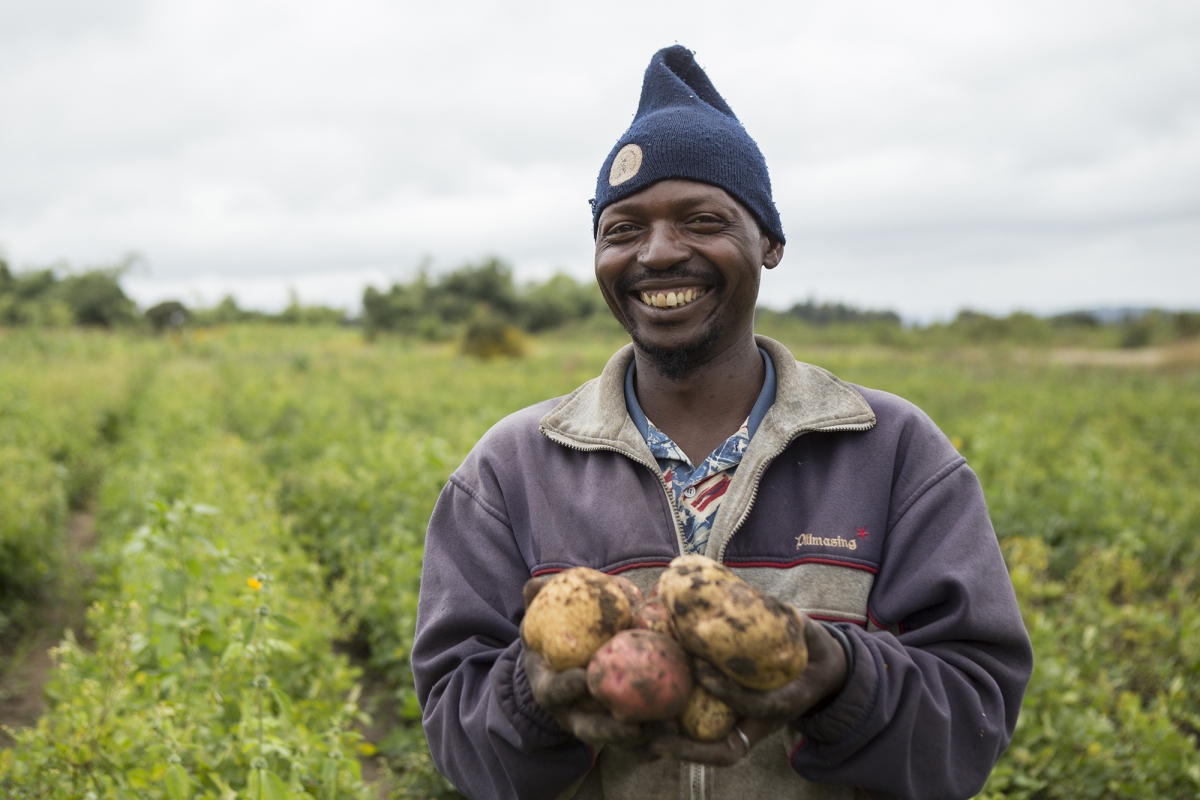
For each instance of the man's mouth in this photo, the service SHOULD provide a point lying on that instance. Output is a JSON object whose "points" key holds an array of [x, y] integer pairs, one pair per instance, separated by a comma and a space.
{"points": [[673, 298]]}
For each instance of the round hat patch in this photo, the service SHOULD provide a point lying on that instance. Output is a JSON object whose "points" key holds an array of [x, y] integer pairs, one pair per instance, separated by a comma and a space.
{"points": [[625, 165]]}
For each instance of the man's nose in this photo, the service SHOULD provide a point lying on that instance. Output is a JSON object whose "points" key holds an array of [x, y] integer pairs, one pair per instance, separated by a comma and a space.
{"points": [[663, 247]]}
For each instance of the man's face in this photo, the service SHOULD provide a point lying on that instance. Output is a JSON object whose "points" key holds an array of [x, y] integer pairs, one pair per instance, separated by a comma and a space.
{"points": [[679, 265]]}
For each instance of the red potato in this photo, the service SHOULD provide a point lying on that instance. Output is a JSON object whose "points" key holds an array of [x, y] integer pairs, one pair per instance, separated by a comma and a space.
{"points": [[630, 589], [640, 676], [652, 615]]}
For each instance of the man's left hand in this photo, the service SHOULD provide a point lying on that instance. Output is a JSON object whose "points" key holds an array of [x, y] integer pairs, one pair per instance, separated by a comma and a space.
{"points": [[761, 713]]}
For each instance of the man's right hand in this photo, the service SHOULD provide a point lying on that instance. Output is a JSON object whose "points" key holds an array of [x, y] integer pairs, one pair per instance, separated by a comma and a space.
{"points": [[565, 697]]}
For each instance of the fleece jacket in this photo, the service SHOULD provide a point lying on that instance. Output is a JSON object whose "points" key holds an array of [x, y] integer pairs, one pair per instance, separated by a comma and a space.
{"points": [[849, 504]]}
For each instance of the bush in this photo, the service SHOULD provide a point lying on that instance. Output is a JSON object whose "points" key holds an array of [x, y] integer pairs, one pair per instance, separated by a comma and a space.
{"points": [[41, 298], [559, 301], [488, 336], [168, 315], [96, 298], [435, 309]]}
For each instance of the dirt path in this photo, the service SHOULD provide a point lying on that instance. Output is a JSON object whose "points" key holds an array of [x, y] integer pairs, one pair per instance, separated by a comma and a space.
{"points": [[1179, 355], [25, 675]]}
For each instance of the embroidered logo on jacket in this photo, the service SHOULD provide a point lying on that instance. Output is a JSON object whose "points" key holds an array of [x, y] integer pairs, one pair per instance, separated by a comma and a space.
{"points": [[825, 541]]}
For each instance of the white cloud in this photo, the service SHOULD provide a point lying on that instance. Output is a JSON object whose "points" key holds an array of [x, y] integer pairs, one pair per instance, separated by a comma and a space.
{"points": [[925, 156]]}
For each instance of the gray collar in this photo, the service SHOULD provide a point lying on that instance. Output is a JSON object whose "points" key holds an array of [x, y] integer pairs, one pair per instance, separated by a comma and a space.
{"points": [[807, 399], [766, 398]]}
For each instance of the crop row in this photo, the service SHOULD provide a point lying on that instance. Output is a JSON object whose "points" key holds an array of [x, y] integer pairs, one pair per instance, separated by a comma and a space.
{"points": [[61, 402], [294, 471], [209, 672]]}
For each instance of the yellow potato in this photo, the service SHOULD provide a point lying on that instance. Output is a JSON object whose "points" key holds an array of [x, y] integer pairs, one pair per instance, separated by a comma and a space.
{"points": [[706, 718], [752, 637], [575, 612]]}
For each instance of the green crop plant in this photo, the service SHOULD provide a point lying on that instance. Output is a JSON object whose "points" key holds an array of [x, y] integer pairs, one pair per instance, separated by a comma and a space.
{"points": [[262, 494]]}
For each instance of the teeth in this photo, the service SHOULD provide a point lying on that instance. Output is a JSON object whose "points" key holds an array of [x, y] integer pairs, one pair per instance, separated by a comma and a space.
{"points": [[671, 299]]}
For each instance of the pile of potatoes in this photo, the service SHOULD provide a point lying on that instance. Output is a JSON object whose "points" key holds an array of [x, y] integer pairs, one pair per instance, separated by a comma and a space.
{"points": [[639, 651]]}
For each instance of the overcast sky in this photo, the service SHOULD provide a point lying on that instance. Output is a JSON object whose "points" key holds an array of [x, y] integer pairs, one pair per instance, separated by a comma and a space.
{"points": [[926, 156]]}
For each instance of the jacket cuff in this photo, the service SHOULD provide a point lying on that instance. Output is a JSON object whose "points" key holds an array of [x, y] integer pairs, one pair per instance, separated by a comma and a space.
{"points": [[533, 723], [851, 707]]}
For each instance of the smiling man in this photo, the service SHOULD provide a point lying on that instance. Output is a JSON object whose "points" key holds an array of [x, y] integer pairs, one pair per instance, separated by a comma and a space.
{"points": [[700, 437]]}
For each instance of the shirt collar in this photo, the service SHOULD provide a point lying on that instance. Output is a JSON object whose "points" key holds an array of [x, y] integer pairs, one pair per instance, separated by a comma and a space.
{"points": [[766, 398]]}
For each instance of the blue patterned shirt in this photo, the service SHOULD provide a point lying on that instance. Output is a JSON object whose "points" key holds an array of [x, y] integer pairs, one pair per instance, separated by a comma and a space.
{"points": [[698, 490]]}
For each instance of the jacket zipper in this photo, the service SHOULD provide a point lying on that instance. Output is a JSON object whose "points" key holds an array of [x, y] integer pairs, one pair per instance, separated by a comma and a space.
{"points": [[697, 787], [662, 481], [865, 426]]}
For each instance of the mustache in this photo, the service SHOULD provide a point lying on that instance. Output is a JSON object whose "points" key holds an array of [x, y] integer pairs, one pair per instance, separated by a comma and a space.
{"points": [[712, 277]]}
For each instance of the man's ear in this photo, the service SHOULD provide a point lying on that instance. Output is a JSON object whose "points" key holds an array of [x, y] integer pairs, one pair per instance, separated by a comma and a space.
{"points": [[772, 252]]}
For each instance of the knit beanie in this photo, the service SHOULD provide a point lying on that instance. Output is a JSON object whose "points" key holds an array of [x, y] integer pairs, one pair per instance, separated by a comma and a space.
{"points": [[684, 129]]}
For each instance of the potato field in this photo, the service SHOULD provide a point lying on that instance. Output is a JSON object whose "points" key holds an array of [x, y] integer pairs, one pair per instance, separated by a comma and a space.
{"points": [[255, 496]]}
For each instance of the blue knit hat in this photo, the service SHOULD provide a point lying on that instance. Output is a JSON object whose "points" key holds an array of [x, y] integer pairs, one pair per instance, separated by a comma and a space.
{"points": [[684, 129]]}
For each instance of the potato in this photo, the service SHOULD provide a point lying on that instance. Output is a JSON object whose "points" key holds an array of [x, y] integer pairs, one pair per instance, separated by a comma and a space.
{"points": [[706, 718], [641, 676], [632, 592], [752, 637], [652, 615], [576, 611]]}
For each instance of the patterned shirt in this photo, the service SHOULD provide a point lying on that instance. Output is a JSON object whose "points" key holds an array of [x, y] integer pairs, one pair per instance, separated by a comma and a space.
{"points": [[698, 490]]}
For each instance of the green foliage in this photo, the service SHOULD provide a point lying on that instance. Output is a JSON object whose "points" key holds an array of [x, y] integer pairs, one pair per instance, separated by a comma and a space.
{"points": [[559, 301], [96, 298], [488, 336], [297, 314], [1088, 476], [211, 670], [839, 313], [829, 324], [168, 315], [309, 460], [436, 309], [1107, 713], [40, 298], [225, 312], [53, 441]]}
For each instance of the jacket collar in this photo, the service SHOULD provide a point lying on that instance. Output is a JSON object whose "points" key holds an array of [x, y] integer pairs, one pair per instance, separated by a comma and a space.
{"points": [[807, 399]]}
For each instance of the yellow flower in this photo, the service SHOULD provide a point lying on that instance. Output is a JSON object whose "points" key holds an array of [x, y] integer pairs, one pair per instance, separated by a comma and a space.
{"points": [[254, 583], [1094, 749], [957, 442]]}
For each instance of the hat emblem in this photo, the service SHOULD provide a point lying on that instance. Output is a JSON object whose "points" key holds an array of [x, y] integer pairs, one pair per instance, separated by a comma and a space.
{"points": [[625, 165]]}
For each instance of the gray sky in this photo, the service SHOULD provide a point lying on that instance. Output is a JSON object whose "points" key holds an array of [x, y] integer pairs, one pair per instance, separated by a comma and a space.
{"points": [[926, 156]]}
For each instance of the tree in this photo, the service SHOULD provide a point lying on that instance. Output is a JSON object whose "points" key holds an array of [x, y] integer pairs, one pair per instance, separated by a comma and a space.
{"points": [[168, 315], [96, 298]]}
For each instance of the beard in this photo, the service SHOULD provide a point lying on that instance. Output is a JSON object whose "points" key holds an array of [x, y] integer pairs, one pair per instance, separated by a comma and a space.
{"points": [[675, 362]]}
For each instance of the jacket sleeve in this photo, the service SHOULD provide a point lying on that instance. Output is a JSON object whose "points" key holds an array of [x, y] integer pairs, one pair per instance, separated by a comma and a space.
{"points": [[934, 697], [485, 731]]}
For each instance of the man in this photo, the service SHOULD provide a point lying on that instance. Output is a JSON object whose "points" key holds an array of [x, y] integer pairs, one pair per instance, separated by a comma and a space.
{"points": [[699, 437]]}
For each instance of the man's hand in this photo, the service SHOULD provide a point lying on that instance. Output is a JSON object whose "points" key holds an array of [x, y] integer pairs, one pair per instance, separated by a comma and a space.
{"points": [[761, 713], [565, 697]]}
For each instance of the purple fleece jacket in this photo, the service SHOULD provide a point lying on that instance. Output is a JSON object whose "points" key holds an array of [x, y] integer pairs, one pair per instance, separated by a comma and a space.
{"points": [[869, 496]]}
